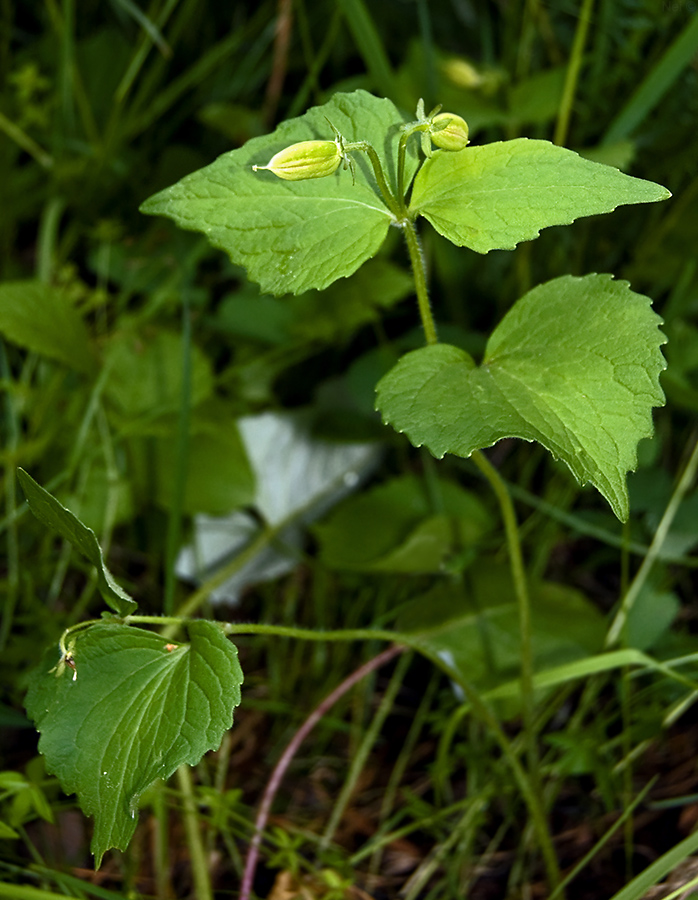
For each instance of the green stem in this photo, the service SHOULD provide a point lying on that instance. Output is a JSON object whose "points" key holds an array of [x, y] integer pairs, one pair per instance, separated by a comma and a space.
{"points": [[197, 855], [572, 76], [222, 575], [420, 280], [174, 522], [401, 151], [523, 601], [660, 536], [302, 634], [161, 855], [527, 669], [362, 752], [528, 788], [364, 146]]}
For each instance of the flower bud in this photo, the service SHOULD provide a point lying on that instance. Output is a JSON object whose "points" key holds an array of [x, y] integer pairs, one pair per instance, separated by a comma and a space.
{"points": [[309, 159], [453, 135], [462, 73]]}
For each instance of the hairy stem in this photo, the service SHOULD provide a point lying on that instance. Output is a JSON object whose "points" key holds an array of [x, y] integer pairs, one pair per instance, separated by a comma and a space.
{"points": [[420, 280], [390, 201]]}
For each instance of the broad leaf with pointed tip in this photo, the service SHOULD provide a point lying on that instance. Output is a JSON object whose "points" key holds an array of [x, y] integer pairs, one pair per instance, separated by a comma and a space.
{"points": [[53, 514], [292, 236], [574, 365], [494, 196], [134, 709]]}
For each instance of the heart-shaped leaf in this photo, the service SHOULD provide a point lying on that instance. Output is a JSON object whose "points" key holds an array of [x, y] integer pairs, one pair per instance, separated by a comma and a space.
{"points": [[295, 235], [129, 708], [574, 365], [494, 196], [52, 513]]}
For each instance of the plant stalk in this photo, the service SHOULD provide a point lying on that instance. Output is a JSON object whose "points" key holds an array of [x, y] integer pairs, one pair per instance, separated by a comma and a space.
{"points": [[529, 784], [523, 602], [197, 854], [420, 281], [364, 146], [572, 76], [527, 667], [660, 536]]}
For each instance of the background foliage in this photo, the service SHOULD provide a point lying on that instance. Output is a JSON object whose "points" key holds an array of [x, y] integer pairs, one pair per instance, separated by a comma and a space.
{"points": [[183, 415]]}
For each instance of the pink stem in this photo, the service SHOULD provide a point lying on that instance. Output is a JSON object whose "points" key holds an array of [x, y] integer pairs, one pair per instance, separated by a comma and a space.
{"points": [[290, 751]]}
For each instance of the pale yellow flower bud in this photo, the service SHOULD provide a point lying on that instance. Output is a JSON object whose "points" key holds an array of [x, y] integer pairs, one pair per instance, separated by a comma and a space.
{"points": [[462, 73], [308, 159], [454, 134]]}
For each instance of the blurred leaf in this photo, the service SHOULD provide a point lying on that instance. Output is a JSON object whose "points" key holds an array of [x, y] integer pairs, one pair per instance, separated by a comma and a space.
{"points": [[536, 99], [102, 493], [253, 316], [650, 618], [145, 373], [474, 629], [330, 316], [218, 476], [137, 709], [335, 314], [43, 318], [620, 155], [394, 527]]}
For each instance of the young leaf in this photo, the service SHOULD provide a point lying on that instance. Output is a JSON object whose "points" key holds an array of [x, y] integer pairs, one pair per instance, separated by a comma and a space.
{"points": [[133, 710], [574, 365], [295, 235], [53, 514], [494, 196]]}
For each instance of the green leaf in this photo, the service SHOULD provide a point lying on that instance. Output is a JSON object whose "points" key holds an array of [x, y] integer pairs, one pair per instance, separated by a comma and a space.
{"points": [[474, 631], [218, 472], [494, 196], [145, 373], [574, 365], [294, 235], [53, 514], [347, 305], [394, 528], [44, 319], [134, 709]]}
